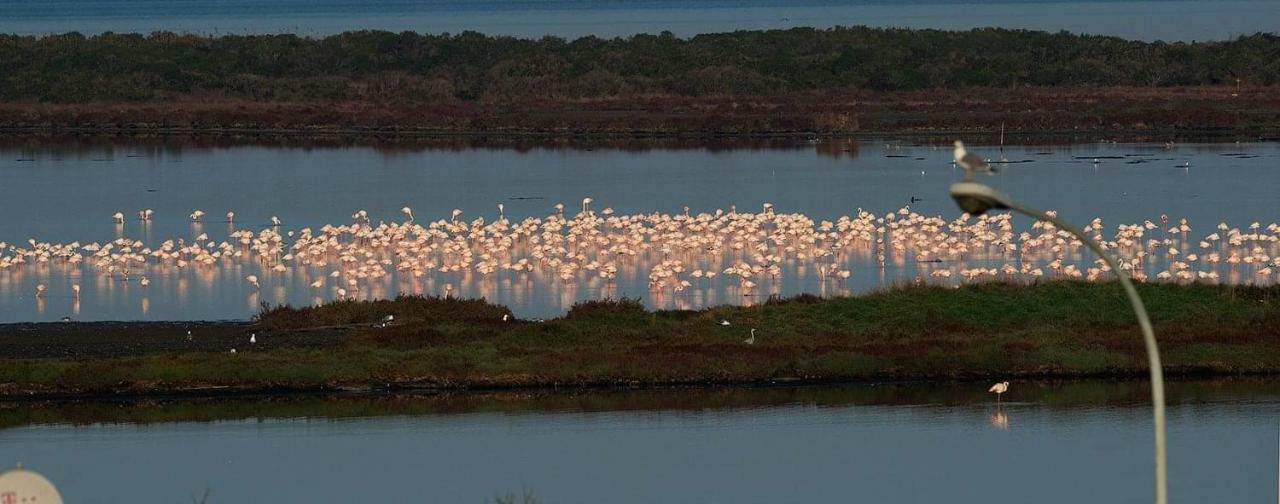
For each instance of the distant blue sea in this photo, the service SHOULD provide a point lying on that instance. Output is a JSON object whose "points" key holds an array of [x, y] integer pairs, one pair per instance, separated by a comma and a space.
{"points": [[1146, 20]]}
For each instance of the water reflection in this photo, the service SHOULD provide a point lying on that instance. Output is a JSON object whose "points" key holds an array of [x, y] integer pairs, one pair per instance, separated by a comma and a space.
{"points": [[882, 443], [1000, 419]]}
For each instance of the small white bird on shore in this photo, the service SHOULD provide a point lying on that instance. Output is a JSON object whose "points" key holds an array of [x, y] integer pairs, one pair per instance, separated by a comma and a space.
{"points": [[999, 389], [253, 338]]}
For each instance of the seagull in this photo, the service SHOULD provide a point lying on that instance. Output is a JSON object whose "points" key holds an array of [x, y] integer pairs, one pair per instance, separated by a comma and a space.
{"points": [[752, 339], [724, 322], [999, 389], [971, 162]]}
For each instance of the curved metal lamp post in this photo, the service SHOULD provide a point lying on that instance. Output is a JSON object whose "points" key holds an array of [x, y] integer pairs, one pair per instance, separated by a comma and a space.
{"points": [[977, 199]]}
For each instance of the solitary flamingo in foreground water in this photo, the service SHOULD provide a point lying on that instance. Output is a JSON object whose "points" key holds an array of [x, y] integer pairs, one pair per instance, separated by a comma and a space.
{"points": [[999, 389]]}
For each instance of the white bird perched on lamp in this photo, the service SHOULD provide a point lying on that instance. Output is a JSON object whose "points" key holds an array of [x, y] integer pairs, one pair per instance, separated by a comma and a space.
{"points": [[971, 162]]}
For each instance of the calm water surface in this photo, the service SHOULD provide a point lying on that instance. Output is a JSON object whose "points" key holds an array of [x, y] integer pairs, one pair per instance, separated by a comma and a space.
{"points": [[1083, 442], [67, 193], [1148, 20]]}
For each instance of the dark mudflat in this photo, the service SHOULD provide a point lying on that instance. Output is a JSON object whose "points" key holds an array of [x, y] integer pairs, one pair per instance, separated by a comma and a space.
{"points": [[84, 340]]}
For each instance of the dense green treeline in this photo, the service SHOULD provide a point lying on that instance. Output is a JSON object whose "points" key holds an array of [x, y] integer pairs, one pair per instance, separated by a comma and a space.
{"points": [[374, 65]]}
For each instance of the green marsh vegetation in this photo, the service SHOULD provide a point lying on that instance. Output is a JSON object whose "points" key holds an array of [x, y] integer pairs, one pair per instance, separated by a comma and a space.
{"points": [[1055, 329]]}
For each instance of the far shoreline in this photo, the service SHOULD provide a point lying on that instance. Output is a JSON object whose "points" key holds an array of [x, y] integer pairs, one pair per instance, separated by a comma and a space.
{"points": [[1079, 113]]}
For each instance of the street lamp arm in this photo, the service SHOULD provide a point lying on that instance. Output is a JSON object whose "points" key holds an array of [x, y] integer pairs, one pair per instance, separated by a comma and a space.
{"points": [[1148, 336]]}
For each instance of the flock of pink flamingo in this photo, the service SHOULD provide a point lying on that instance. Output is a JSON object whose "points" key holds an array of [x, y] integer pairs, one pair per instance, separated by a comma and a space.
{"points": [[677, 252]]}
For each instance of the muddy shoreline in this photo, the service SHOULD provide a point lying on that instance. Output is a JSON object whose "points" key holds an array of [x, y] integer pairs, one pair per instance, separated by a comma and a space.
{"points": [[1084, 113]]}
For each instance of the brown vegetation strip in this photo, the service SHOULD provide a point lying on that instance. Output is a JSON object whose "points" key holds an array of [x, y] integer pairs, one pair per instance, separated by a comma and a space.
{"points": [[1252, 111]]}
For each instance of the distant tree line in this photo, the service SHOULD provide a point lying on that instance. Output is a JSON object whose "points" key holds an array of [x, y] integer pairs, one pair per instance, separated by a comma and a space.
{"points": [[379, 65]]}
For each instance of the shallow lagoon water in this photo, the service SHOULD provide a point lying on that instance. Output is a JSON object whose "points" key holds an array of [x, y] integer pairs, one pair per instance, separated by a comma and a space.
{"points": [[1064, 443], [62, 193]]}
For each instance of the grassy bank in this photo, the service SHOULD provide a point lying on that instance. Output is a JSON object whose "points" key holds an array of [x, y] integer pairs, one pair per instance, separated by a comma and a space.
{"points": [[1059, 329]]}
